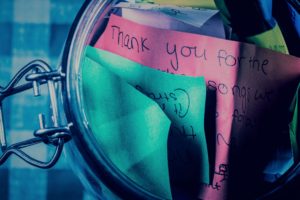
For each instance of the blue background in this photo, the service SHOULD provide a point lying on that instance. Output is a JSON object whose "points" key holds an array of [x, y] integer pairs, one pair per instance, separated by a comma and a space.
{"points": [[33, 29]]}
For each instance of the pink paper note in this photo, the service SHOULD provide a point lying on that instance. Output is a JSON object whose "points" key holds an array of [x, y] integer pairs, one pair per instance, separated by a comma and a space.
{"points": [[250, 88]]}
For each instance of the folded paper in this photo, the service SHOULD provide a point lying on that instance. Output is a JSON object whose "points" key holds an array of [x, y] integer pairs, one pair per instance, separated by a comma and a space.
{"points": [[252, 88], [194, 17], [130, 128], [182, 98], [294, 126], [191, 3], [209, 22], [287, 16], [253, 21], [271, 39]]}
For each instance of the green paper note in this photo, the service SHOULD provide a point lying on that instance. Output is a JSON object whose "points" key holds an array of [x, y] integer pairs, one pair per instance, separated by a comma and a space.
{"points": [[271, 39], [130, 128], [182, 98], [294, 127]]}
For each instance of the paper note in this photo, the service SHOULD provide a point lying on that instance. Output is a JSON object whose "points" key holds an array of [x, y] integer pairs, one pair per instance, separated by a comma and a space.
{"points": [[192, 3], [213, 26], [194, 17], [249, 87], [130, 128], [260, 29], [271, 39], [294, 127], [182, 98]]}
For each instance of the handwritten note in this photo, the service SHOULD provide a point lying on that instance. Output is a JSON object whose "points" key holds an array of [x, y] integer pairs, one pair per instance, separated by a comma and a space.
{"points": [[252, 89], [129, 127], [182, 98], [210, 25]]}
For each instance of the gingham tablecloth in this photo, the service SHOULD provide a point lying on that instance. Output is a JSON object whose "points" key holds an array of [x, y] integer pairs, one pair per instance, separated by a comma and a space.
{"points": [[31, 29]]}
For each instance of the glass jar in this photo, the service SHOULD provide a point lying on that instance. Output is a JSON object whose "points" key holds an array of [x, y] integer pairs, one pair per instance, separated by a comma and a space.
{"points": [[98, 174]]}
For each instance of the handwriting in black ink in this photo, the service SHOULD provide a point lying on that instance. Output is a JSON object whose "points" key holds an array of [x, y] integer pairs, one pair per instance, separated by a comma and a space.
{"points": [[176, 101], [184, 52], [128, 41], [223, 171]]}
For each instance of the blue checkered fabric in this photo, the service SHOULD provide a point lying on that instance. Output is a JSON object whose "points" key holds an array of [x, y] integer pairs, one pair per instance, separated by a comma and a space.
{"points": [[31, 29]]}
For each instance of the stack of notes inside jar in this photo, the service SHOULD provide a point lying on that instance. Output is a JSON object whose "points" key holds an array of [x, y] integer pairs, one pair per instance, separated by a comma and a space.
{"points": [[184, 109]]}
